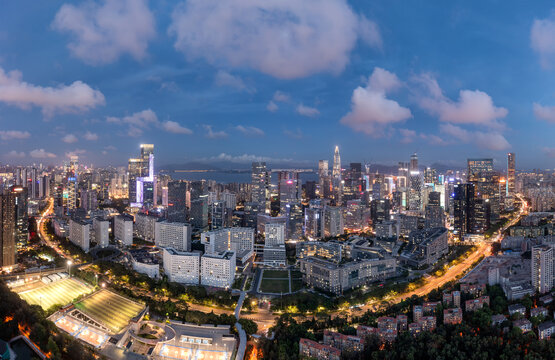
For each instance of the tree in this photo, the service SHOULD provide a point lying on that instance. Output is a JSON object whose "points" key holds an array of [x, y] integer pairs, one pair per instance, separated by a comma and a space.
{"points": [[249, 326], [53, 349]]}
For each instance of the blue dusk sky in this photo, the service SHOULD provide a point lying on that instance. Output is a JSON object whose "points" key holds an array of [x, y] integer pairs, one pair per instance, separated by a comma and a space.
{"points": [[277, 80]]}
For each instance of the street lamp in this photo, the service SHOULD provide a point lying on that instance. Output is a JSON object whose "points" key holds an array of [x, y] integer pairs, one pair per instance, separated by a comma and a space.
{"points": [[103, 285], [69, 262], [96, 278]]}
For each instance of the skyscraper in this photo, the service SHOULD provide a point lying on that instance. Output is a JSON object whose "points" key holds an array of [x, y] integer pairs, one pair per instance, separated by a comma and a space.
{"points": [[336, 177], [141, 177], [476, 166], [260, 181], [324, 179], [542, 268], [463, 204], [510, 174], [21, 214], [8, 231]]}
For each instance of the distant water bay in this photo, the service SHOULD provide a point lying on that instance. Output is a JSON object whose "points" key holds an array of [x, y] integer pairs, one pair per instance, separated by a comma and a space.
{"points": [[226, 177]]}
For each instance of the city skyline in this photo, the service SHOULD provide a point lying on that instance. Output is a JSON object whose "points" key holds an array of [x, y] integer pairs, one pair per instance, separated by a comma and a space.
{"points": [[379, 93]]}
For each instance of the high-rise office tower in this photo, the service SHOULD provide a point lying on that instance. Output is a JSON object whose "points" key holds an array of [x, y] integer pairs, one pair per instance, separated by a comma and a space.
{"points": [[413, 162], [8, 230], [542, 268], [260, 181], [476, 166], [336, 177], [510, 174], [324, 179], [289, 189], [434, 211], [177, 201], [430, 176], [463, 209], [199, 212], [141, 178], [21, 214], [71, 183]]}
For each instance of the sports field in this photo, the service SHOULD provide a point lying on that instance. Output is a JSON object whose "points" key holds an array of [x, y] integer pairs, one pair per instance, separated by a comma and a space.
{"points": [[112, 310], [61, 292]]}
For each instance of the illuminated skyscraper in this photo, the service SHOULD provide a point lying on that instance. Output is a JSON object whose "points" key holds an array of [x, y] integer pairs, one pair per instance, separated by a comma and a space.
{"points": [[476, 166], [71, 184], [510, 174], [141, 177], [324, 179], [336, 177], [8, 230], [542, 268], [21, 214], [260, 181], [463, 204]]}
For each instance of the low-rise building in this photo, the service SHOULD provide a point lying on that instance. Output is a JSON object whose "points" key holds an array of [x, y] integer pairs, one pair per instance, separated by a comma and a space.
{"points": [[427, 323], [79, 233], [523, 324], [181, 267], [123, 229], [336, 278], [218, 270], [546, 299], [497, 319], [414, 329], [274, 256], [173, 234], [430, 307], [312, 349], [343, 342], [402, 322], [101, 231], [145, 262], [425, 247], [452, 316], [452, 299], [546, 330], [475, 304], [473, 289], [539, 311], [386, 322], [417, 313], [517, 308]]}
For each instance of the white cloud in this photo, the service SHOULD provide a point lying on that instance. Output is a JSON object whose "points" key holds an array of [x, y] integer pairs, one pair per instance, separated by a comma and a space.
{"points": [[294, 134], [407, 136], [280, 96], [76, 97], [14, 135], [473, 106], [307, 111], [75, 152], [137, 122], [550, 152], [15, 154], [272, 106], [490, 140], [224, 78], [245, 158], [283, 38], [546, 113], [41, 154], [90, 136], [175, 128], [211, 134], [371, 111], [101, 33], [542, 39], [250, 130], [70, 139], [434, 139]]}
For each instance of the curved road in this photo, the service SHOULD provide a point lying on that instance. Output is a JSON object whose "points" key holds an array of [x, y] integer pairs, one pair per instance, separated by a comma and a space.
{"points": [[41, 228]]}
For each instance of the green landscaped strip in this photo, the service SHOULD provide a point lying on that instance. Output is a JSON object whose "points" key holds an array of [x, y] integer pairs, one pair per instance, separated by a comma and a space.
{"points": [[275, 286], [276, 274]]}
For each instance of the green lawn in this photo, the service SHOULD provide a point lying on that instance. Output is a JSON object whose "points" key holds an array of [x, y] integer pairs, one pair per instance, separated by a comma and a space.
{"points": [[274, 286], [296, 274], [297, 285], [276, 274], [61, 292]]}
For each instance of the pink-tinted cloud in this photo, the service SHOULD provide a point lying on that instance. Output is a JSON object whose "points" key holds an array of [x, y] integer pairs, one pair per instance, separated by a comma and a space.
{"points": [[175, 128], [101, 33], [371, 111], [307, 111], [542, 39], [472, 107], [77, 97], [283, 38], [546, 113], [490, 140], [14, 135]]}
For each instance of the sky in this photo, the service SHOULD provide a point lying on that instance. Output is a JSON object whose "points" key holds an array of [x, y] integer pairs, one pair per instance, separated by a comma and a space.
{"points": [[277, 80]]}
